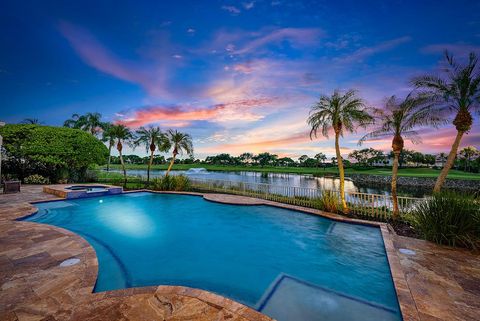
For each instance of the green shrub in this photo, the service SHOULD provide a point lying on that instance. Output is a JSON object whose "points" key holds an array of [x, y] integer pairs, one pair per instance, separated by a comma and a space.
{"points": [[171, 183], [329, 202], [449, 218], [58, 153], [36, 179]]}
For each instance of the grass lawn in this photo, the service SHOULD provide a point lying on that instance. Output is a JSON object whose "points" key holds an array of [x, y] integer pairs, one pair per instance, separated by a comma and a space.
{"points": [[408, 172]]}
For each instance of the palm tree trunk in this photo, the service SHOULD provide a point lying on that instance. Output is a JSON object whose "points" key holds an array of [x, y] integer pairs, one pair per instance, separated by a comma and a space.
{"points": [[123, 167], [341, 172], [449, 163], [171, 164], [149, 166], [396, 211], [109, 156]]}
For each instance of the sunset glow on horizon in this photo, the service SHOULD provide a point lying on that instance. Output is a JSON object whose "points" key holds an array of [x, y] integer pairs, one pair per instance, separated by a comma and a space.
{"points": [[239, 76]]}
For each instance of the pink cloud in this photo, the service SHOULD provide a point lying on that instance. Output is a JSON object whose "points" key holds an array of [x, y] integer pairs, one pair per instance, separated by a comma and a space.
{"points": [[239, 110], [365, 52]]}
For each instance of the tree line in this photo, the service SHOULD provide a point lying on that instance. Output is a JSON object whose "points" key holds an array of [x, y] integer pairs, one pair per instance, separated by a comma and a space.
{"points": [[152, 138]]}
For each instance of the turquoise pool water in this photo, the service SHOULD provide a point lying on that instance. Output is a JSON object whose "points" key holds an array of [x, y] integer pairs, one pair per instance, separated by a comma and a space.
{"points": [[237, 251]]}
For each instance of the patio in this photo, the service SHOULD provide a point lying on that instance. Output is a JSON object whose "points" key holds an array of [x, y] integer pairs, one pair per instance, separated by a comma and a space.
{"points": [[437, 283]]}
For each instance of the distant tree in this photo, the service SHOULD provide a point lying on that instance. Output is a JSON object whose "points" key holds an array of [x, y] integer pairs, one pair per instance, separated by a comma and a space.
{"points": [[265, 159], [367, 156], [342, 113], [443, 158], [90, 122], [245, 158], [181, 143], [321, 158], [458, 92], [302, 159], [285, 162], [152, 138], [310, 162], [468, 154], [122, 134]]}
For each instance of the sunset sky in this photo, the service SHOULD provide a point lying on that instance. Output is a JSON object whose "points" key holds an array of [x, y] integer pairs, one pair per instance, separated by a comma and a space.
{"points": [[239, 76]]}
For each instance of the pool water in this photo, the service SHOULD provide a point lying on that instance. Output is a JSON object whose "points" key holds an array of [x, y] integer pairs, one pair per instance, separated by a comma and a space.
{"points": [[236, 251]]}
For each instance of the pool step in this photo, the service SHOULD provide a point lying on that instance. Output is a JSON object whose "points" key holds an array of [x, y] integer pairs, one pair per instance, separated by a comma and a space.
{"points": [[289, 298]]}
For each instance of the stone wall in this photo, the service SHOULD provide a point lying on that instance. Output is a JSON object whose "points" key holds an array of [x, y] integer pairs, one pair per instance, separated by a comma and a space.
{"points": [[422, 182]]}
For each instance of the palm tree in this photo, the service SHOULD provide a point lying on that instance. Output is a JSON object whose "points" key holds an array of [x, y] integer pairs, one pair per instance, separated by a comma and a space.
{"points": [[90, 122], [152, 138], [340, 112], [122, 134], [31, 121], [467, 154], [321, 157], [107, 136], [399, 118], [458, 92], [74, 122], [181, 142]]}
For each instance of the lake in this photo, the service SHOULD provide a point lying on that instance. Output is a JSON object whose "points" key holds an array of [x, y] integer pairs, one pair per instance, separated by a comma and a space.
{"points": [[283, 179]]}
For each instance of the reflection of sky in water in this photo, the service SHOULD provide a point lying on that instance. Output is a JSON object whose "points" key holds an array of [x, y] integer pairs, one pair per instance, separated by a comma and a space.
{"points": [[282, 179]]}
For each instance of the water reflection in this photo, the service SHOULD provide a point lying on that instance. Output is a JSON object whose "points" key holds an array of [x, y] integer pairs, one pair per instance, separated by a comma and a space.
{"points": [[284, 179]]}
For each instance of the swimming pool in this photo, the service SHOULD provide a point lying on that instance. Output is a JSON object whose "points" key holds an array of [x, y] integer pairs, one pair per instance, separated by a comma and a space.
{"points": [[144, 239]]}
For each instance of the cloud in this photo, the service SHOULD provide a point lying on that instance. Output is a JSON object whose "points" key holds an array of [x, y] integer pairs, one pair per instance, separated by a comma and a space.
{"points": [[248, 5], [93, 53], [239, 111], [296, 36], [365, 52], [232, 9]]}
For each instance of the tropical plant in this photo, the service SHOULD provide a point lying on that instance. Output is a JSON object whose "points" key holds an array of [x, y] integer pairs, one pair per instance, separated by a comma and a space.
{"points": [[153, 139], [107, 137], [56, 153], [122, 134], [458, 92], [171, 183], [342, 113], [449, 218], [181, 143], [328, 201], [90, 122], [36, 179], [399, 119], [468, 153], [31, 121]]}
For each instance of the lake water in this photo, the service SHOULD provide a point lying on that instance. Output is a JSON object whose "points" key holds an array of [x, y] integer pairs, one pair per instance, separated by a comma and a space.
{"points": [[284, 179]]}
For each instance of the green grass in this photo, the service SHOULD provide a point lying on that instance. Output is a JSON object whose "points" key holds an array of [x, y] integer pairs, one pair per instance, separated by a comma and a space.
{"points": [[406, 172]]}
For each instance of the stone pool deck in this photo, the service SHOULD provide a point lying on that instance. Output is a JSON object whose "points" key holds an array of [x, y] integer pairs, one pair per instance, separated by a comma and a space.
{"points": [[437, 283]]}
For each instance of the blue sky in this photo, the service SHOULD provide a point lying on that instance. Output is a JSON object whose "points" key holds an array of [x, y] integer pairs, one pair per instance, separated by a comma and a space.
{"points": [[237, 75]]}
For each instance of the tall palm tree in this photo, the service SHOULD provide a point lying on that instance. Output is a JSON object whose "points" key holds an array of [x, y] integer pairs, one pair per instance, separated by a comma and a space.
{"points": [[181, 142], [107, 136], [122, 134], [90, 122], [458, 92], [152, 138], [74, 122], [400, 118], [342, 113]]}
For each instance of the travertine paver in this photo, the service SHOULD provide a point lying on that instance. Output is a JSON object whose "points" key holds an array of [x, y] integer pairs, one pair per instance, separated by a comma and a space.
{"points": [[437, 283]]}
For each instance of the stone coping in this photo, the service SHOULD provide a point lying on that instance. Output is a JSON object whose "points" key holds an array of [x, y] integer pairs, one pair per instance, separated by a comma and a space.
{"points": [[33, 287], [64, 191]]}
